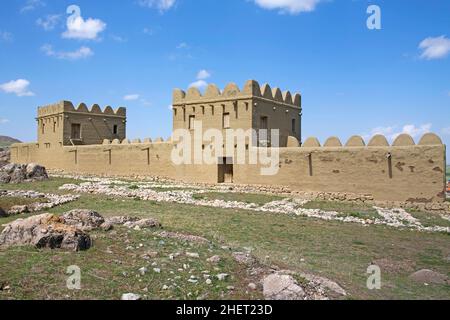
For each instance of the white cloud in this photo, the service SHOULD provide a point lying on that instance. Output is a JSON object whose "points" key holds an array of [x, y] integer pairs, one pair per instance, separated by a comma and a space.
{"points": [[161, 5], [289, 6], [118, 38], [203, 74], [78, 28], [131, 97], [435, 48], [392, 132], [200, 84], [49, 22], [5, 36], [31, 5], [148, 31], [182, 45], [3, 120], [81, 53], [18, 87]]}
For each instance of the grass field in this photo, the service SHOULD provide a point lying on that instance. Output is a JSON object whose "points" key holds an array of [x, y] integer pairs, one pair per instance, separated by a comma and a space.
{"points": [[339, 251]]}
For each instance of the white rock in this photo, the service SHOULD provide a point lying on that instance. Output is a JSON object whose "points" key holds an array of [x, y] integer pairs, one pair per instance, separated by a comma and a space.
{"points": [[222, 276], [130, 296]]}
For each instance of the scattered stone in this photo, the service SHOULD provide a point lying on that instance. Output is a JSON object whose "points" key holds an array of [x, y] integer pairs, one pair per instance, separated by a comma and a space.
{"points": [[252, 286], [52, 200], [230, 288], [429, 277], [208, 281], [165, 287], [192, 255], [222, 276], [143, 271], [244, 258], [106, 226], [157, 270], [143, 224], [183, 237], [214, 259], [45, 231], [149, 255], [18, 210], [282, 287], [130, 296]]}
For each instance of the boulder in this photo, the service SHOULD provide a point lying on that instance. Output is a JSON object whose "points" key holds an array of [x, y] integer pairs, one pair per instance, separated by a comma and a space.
{"points": [[5, 155], [429, 277], [130, 296], [82, 219], [44, 231], [35, 172], [133, 222], [282, 287], [143, 224], [18, 173]]}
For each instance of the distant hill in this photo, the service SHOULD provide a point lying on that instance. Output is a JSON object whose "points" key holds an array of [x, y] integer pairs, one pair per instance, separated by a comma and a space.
{"points": [[6, 141]]}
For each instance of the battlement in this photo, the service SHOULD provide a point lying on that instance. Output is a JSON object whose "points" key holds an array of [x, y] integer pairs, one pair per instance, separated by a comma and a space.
{"points": [[251, 89], [403, 140], [68, 107]]}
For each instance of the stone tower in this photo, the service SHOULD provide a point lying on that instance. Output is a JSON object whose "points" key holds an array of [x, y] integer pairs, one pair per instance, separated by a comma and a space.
{"points": [[253, 107], [61, 124]]}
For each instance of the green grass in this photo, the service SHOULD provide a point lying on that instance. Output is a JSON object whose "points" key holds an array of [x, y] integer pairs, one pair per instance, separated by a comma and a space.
{"points": [[429, 219], [362, 210], [48, 186], [7, 202], [339, 251], [259, 199], [108, 270]]}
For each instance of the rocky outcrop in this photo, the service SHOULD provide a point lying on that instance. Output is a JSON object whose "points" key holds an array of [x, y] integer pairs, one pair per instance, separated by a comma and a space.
{"points": [[18, 173], [282, 287], [45, 231], [82, 219], [5, 156], [429, 277], [133, 223]]}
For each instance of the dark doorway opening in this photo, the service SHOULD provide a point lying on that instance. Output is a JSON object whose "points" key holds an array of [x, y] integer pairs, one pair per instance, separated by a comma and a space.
{"points": [[225, 170]]}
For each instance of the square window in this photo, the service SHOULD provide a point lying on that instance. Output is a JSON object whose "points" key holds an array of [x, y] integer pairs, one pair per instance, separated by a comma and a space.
{"points": [[76, 131]]}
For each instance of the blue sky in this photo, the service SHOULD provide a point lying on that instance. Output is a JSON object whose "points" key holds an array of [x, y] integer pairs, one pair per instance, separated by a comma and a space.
{"points": [[133, 53]]}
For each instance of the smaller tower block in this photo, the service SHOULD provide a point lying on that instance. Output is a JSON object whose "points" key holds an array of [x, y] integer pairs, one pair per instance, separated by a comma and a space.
{"points": [[61, 124]]}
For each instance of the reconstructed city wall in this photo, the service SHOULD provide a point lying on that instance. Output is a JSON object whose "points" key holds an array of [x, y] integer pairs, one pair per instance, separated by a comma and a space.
{"points": [[402, 171]]}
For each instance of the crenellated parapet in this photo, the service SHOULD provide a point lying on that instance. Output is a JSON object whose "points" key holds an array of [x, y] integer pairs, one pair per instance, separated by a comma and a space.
{"points": [[68, 107], [403, 140], [250, 90]]}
